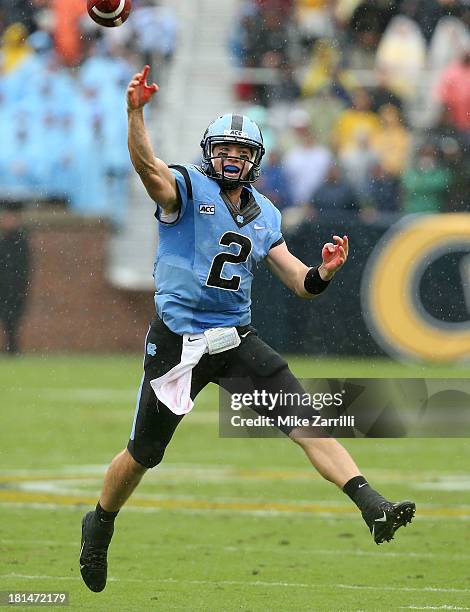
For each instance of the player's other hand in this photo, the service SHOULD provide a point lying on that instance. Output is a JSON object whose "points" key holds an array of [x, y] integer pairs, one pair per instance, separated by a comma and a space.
{"points": [[334, 257], [139, 92]]}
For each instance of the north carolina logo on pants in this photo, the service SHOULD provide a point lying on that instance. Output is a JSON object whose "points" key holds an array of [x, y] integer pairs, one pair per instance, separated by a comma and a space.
{"points": [[390, 290], [151, 349]]}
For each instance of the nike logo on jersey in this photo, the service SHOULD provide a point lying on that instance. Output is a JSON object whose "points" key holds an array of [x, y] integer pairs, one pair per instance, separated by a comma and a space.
{"points": [[258, 227]]}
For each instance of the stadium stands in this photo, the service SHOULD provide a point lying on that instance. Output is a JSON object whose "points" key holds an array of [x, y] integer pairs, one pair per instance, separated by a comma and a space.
{"points": [[377, 82], [62, 106]]}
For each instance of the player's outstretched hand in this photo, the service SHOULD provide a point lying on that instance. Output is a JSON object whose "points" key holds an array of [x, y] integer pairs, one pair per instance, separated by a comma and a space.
{"points": [[335, 255], [139, 92]]}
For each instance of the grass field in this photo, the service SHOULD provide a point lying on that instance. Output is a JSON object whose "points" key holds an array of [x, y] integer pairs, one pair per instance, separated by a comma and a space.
{"points": [[222, 524]]}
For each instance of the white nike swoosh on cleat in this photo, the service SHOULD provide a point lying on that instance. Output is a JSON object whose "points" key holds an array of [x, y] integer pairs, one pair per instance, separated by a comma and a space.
{"points": [[383, 519], [82, 566]]}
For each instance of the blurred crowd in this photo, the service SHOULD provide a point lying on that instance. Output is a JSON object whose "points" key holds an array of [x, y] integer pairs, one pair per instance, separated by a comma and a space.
{"points": [[62, 116], [365, 104]]}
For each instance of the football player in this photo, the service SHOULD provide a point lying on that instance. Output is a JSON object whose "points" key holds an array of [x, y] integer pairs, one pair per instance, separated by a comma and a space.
{"points": [[213, 227]]}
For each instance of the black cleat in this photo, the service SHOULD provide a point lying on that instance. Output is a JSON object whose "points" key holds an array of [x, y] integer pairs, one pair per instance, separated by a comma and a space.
{"points": [[95, 541], [384, 520]]}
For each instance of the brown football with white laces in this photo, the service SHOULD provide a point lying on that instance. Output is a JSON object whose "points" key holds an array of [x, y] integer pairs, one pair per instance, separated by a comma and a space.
{"points": [[109, 13]]}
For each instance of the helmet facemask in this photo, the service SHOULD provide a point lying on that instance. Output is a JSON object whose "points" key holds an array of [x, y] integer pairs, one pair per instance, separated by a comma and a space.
{"points": [[227, 182]]}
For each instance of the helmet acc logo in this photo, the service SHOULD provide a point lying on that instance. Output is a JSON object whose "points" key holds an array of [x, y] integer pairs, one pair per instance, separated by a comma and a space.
{"points": [[236, 133]]}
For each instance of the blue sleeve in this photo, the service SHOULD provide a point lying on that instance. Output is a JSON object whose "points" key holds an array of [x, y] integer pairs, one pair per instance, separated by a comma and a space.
{"points": [[183, 187], [275, 235]]}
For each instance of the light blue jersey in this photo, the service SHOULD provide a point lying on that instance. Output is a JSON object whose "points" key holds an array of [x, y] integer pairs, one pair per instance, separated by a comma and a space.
{"points": [[205, 258]]}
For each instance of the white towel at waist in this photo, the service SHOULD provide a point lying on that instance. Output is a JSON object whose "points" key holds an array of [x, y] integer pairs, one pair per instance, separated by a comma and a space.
{"points": [[174, 387]]}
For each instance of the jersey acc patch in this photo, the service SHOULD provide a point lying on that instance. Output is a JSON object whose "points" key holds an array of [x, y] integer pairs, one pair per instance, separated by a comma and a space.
{"points": [[207, 209]]}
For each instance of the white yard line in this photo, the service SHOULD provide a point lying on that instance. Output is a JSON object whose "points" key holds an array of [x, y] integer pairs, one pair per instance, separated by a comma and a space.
{"points": [[249, 473], [444, 607], [254, 583]]}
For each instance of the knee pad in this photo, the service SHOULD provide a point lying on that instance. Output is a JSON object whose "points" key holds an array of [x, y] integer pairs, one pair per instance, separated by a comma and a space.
{"points": [[149, 456]]}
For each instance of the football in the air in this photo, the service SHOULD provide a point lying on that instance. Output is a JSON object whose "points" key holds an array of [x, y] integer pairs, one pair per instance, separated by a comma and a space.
{"points": [[109, 13]]}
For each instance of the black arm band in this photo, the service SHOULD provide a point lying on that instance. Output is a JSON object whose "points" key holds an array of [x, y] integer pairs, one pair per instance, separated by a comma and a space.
{"points": [[314, 283]]}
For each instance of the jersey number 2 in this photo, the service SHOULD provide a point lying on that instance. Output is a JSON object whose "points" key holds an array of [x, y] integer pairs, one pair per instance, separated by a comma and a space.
{"points": [[214, 278]]}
